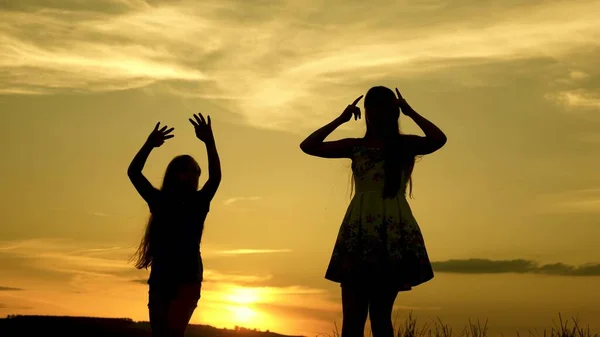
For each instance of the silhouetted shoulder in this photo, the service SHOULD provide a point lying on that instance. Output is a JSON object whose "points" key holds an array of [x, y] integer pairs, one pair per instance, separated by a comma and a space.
{"points": [[419, 145]]}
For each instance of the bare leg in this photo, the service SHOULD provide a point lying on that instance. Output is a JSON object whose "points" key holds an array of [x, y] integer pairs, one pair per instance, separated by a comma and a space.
{"points": [[381, 303], [355, 307], [158, 310], [181, 309]]}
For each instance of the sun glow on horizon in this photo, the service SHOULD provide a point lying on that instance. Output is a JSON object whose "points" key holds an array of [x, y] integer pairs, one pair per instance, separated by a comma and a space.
{"points": [[240, 304], [242, 295], [243, 314]]}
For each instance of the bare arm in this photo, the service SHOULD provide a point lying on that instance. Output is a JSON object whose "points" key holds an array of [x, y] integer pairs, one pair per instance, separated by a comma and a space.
{"points": [[134, 171], [139, 181], [315, 144], [434, 138], [214, 171], [204, 133]]}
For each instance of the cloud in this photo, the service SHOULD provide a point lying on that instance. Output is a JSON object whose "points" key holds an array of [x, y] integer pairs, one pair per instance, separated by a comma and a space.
{"points": [[66, 257], [236, 252], [2, 288], [264, 65], [143, 281], [519, 266], [102, 6], [276, 284], [80, 50], [578, 75], [215, 276], [577, 98], [238, 199], [100, 214], [573, 201]]}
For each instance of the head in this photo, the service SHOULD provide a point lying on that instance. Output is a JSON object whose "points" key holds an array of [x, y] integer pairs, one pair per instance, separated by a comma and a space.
{"points": [[181, 177], [381, 112], [382, 115]]}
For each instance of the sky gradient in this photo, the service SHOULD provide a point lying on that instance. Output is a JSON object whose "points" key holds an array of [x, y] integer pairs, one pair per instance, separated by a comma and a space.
{"points": [[510, 207]]}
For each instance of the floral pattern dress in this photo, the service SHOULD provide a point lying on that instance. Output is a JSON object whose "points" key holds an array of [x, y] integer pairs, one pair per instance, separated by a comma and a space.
{"points": [[379, 242]]}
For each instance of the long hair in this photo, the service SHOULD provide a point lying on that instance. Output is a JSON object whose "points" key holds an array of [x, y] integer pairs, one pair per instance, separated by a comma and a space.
{"points": [[382, 120], [171, 187]]}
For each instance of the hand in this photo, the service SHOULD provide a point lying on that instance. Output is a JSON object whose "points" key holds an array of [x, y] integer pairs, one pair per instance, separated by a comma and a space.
{"points": [[159, 136], [350, 110], [403, 105], [202, 128]]}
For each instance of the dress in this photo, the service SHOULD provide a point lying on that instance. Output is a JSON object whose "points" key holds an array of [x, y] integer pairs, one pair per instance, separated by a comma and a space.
{"points": [[176, 232], [379, 241]]}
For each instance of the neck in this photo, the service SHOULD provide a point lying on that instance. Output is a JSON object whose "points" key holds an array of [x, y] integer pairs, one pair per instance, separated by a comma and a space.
{"points": [[381, 136]]}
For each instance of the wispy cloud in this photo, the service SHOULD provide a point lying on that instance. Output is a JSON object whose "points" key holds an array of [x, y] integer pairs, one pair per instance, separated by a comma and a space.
{"points": [[215, 276], [519, 266], [239, 51], [68, 257], [65, 49], [230, 201], [2, 288], [573, 201], [577, 98], [235, 252], [100, 214]]}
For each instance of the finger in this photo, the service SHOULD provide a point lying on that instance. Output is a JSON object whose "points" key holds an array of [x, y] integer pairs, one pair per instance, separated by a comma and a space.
{"points": [[357, 100], [193, 122], [156, 127], [198, 120], [168, 131], [202, 118], [398, 93], [208, 117], [163, 128], [169, 136]]}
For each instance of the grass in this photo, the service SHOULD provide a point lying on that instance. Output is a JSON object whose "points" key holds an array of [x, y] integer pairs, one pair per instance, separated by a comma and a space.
{"points": [[438, 329]]}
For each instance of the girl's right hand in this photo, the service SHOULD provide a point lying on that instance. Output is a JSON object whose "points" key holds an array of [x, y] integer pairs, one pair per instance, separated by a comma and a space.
{"points": [[351, 110], [159, 136]]}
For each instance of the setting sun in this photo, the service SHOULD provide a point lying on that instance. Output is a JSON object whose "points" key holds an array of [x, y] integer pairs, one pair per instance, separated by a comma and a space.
{"points": [[506, 214], [241, 295], [243, 315]]}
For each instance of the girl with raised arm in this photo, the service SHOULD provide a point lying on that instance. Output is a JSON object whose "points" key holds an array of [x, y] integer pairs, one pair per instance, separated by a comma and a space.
{"points": [[171, 244], [379, 249]]}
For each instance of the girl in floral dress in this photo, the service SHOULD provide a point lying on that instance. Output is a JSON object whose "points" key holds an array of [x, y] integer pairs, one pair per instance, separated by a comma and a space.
{"points": [[379, 250]]}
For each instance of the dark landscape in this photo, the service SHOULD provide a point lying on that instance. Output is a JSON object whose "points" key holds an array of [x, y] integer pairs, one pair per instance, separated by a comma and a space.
{"points": [[71, 326], [67, 326]]}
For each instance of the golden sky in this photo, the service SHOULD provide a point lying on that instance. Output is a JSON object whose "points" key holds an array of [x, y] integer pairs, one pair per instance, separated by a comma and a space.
{"points": [[514, 84]]}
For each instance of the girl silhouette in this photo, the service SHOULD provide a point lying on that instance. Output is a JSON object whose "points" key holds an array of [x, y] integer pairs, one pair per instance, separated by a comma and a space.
{"points": [[171, 244], [379, 249]]}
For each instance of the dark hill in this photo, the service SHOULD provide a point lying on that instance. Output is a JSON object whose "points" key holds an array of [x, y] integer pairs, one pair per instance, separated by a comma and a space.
{"points": [[69, 326]]}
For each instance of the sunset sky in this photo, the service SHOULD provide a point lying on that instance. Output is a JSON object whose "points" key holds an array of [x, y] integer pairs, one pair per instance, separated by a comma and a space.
{"points": [[515, 85]]}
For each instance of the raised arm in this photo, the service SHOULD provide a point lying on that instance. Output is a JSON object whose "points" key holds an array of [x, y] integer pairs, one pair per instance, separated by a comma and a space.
{"points": [[204, 132], [315, 144], [134, 171], [434, 138]]}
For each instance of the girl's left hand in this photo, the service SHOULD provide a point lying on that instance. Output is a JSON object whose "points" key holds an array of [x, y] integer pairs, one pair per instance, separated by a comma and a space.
{"points": [[202, 128], [402, 104]]}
